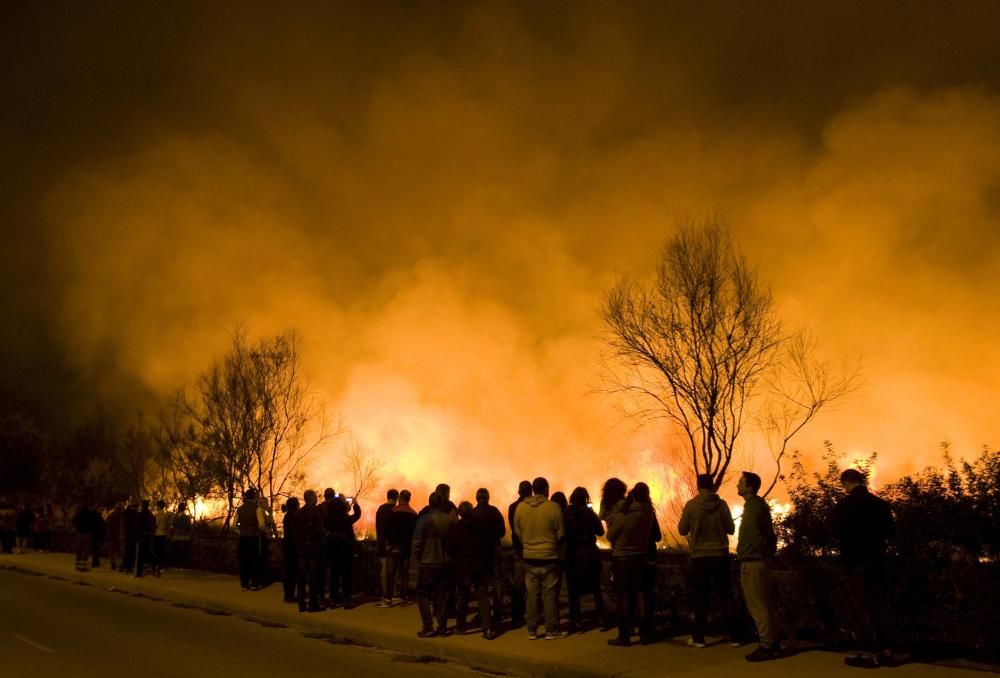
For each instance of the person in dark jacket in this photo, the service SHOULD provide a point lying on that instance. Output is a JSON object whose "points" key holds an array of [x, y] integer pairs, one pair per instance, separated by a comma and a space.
{"points": [[147, 530], [382, 517], [862, 525], [518, 591], [402, 521], [85, 522], [130, 536], [248, 546], [629, 530], [583, 559], [100, 534], [491, 519], [341, 516], [25, 527], [307, 531], [113, 534], [649, 573], [707, 523], [754, 550], [181, 527], [443, 490], [326, 510], [430, 553], [289, 550], [472, 560]]}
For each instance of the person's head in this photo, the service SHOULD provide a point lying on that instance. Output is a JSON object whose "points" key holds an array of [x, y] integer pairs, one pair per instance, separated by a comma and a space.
{"points": [[444, 490], [392, 496], [404, 497], [145, 504], [465, 510], [182, 507], [612, 493], [540, 486], [292, 504], [640, 493], [524, 489], [705, 483], [852, 478], [310, 497], [329, 494], [435, 501], [579, 497], [250, 494], [161, 504], [560, 499], [749, 484]]}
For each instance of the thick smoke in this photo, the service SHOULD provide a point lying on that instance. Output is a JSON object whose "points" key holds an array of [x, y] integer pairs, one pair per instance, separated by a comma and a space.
{"points": [[437, 196]]}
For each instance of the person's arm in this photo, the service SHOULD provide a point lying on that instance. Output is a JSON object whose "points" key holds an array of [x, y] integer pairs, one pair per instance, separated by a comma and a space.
{"points": [[616, 523], [598, 526], [499, 528], [655, 534], [727, 518], [684, 526], [767, 529], [417, 546]]}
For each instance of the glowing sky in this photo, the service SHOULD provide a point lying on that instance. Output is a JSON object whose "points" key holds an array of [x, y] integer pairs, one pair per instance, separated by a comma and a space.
{"points": [[437, 194]]}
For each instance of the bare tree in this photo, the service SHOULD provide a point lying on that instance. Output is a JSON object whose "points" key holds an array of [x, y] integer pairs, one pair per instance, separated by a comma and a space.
{"points": [[257, 417], [365, 468], [800, 386], [700, 346]]}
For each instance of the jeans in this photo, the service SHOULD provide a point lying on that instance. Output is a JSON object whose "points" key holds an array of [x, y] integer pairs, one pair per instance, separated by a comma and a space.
{"points": [[432, 588], [340, 554], [159, 552], [755, 580], [398, 571], [247, 558], [541, 580], [482, 585], [310, 577], [629, 578], [868, 590], [517, 590], [710, 572]]}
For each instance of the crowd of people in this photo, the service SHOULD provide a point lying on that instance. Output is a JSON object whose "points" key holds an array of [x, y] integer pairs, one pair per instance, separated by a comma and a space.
{"points": [[446, 555]]}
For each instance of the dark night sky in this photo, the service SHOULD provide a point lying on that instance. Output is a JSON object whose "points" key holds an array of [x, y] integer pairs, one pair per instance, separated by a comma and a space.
{"points": [[437, 193]]}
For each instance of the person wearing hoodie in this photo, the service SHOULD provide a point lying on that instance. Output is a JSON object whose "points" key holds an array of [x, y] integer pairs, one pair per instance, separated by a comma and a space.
{"points": [[756, 547], [430, 553], [307, 531], [583, 559], [289, 550], [630, 531], [472, 559], [707, 524], [538, 523]]}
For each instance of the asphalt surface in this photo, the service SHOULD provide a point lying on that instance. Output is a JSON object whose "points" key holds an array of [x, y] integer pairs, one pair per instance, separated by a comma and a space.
{"points": [[56, 628]]}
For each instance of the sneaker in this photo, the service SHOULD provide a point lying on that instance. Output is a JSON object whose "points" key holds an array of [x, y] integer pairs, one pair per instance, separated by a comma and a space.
{"points": [[489, 634], [444, 633], [619, 642], [426, 633], [762, 654], [384, 603], [697, 642], [532, 635], [862, 662], [555, 635]]}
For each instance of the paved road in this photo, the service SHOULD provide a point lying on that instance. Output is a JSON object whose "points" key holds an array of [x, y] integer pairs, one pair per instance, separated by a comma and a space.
{"points": [[55, 628]]}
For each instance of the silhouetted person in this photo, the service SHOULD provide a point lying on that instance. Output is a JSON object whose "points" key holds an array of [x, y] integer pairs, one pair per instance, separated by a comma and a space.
{"points": [[43, 529], [583, 559], [160, 536], [862, 525], [612, 500], [289, 550], [326, 510], [8, 527], [707, 522], [309, 546], [113, 535], [518, 592], [180, 535], [147, 530], [25, 527], [130, 536], [472, 561], [85, 523], [559, 499], [443, 490], [402, 521], [491, 519], [755, 548], [248, 546], [382, 517], [538, 523], [649, 572], [629, 530], [268, 531], [100, 533], [430, 553], [343, 513]]}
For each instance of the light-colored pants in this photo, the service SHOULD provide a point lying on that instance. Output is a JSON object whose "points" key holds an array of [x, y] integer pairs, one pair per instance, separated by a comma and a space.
{"points": [[541, 582], [755, 580]]}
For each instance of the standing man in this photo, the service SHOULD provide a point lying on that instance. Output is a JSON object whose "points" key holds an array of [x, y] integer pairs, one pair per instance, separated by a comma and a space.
{"points": [[147, 530], [431, 543], [113, 534], [707, 523], [862, 527], [180, 530], [754, 551], [160, 538], [491, 519], [248, 547], [383, 516], [130, 536], [400, 542], [340, 548], [538, 523], [308, 530], [517, 591]]}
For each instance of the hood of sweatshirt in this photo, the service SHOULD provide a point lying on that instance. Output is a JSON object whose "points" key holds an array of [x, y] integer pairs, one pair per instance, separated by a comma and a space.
{"points": [[709, 503], [535, 500]]}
